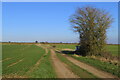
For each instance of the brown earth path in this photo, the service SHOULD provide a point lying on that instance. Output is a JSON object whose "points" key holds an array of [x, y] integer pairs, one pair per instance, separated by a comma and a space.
{"points": [[91, 69], [68, 49], [61, 69], [39, 45]]}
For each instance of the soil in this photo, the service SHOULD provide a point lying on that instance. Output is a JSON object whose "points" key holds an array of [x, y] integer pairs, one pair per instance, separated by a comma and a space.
{"points": [[60, 68], [91, 69], [68, 49]]}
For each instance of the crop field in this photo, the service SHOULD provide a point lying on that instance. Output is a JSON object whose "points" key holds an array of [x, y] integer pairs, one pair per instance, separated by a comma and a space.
{"points": [[112, 49], [20, 60], [42, 61]]}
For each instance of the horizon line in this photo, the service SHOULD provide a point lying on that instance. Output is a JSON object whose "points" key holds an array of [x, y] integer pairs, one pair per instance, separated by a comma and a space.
{"points": [[45, 42]]}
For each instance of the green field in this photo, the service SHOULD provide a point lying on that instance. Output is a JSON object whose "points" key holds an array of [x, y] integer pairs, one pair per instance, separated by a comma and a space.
{"points": [[113, 49], [18, 60], [31, 61], [45, 69]]}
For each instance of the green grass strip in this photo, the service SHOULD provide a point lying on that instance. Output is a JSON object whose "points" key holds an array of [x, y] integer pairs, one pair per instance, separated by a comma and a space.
{"points": [[76, 69], [105, 66], [45, 69]]}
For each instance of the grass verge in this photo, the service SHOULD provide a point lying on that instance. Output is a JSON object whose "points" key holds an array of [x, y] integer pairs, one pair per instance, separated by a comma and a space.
{"points": [[75, 69], [105, 66]]}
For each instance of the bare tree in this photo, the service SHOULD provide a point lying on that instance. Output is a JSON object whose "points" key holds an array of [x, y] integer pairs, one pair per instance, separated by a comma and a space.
{"points": [[91, 24]]}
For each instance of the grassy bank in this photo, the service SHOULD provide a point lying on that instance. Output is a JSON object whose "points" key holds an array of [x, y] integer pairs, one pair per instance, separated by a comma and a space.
{"points": [[105, 66], [76, 69]]}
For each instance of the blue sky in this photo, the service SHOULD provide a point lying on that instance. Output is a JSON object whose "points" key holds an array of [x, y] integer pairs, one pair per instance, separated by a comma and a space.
{"points": [[60, 0], [49, 21]]}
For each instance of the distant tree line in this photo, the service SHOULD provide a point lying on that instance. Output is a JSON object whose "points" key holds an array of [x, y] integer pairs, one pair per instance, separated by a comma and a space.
{"points": [[41, 42]]}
